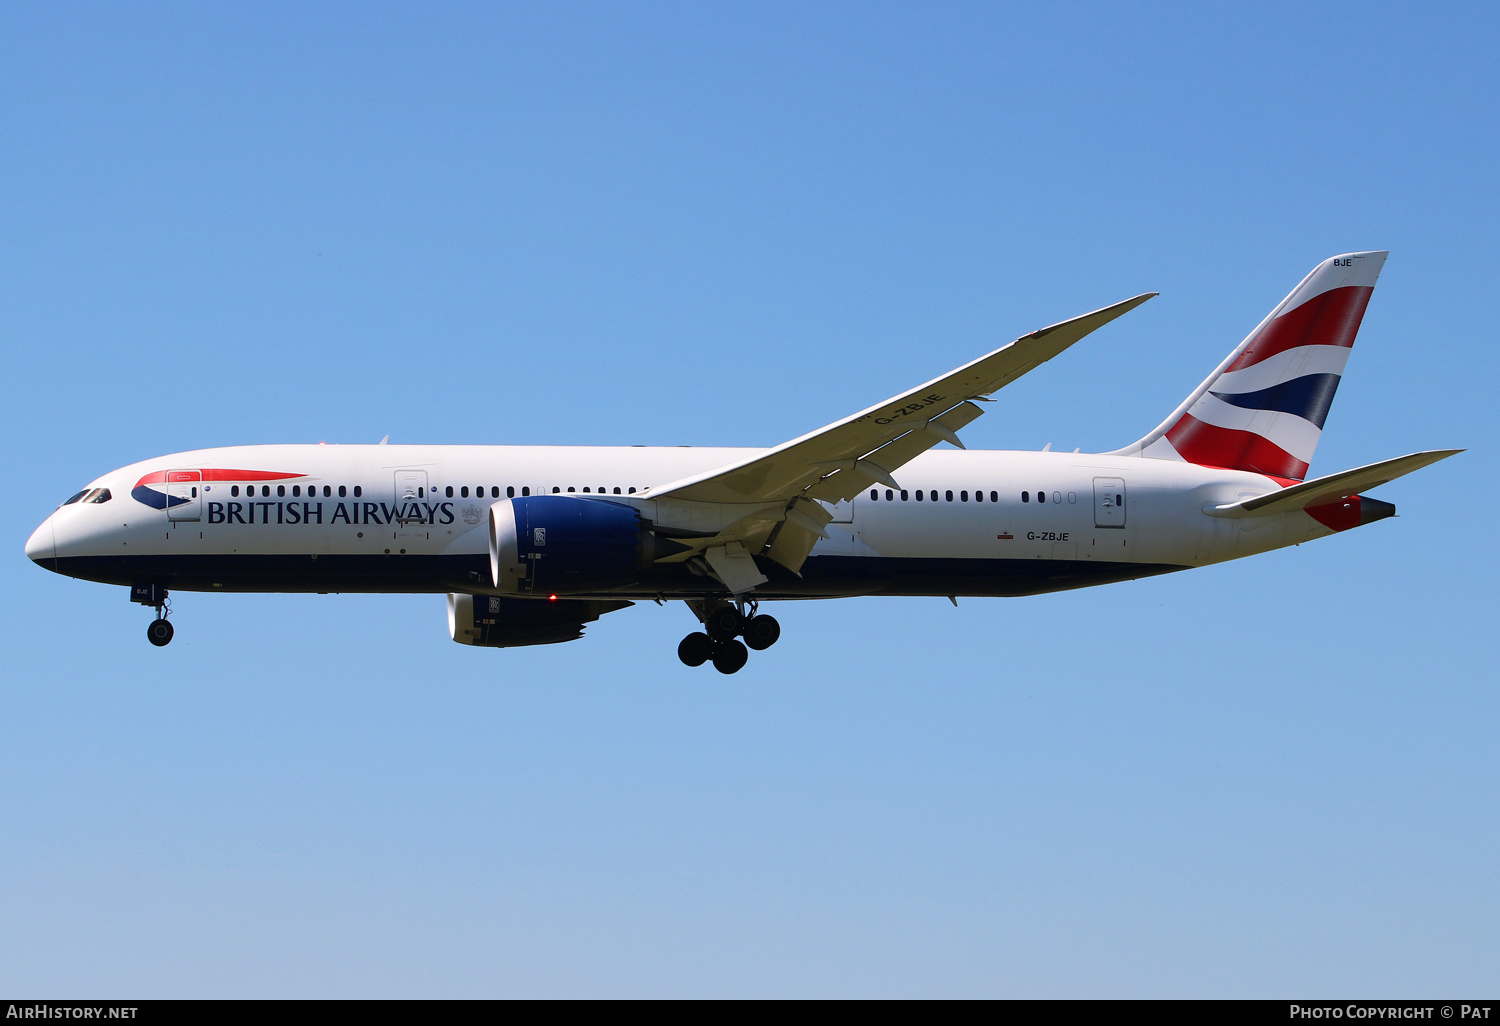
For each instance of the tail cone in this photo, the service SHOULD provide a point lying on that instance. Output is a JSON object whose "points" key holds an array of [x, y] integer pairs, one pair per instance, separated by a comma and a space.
{"points": [[1371, 510]]}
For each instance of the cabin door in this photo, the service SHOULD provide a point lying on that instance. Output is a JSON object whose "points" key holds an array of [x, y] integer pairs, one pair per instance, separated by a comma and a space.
{"points": [[184, 495], [412, 502], [1109, 502], [843, 511]]}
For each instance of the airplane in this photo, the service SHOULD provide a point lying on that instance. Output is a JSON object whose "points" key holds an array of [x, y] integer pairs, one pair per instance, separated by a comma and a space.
{"points": [[532, 543]]}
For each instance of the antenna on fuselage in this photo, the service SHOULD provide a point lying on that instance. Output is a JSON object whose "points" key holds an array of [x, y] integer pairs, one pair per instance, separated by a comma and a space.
{"points": [[387, 438]]}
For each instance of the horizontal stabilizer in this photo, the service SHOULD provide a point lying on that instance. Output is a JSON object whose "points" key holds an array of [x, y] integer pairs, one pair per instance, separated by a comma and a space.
{"points": [[1333, 488]]}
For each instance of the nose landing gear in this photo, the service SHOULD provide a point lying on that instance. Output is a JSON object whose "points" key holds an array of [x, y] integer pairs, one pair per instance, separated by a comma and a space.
{"points": [[724, 625], [158, 631]]}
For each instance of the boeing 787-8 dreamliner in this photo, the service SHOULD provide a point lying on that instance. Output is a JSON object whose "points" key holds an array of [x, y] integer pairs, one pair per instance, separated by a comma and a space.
{"points": [[531, 543]]}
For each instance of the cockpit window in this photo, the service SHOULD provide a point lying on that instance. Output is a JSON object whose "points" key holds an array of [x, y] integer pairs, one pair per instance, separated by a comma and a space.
{"points": [[94, 495]]}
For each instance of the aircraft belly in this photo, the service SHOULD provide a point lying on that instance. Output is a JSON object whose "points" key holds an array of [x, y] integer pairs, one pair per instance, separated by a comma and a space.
{"points": [[821, 576]]}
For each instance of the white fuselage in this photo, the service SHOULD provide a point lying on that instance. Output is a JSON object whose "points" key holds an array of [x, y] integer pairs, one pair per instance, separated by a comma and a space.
{"points": [[418, 522]]}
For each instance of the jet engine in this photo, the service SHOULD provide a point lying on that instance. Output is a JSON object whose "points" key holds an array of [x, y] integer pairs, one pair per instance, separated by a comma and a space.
{"points": [[568, 545], [510, 622]]}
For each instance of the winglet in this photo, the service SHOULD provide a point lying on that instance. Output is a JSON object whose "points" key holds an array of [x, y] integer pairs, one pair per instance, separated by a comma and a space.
{"points": [[1095, 319]]}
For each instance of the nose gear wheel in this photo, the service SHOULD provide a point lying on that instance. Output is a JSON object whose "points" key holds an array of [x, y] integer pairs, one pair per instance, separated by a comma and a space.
{"points": [[159, 632]]}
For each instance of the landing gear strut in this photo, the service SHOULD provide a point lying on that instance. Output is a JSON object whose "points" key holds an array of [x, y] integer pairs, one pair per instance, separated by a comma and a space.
{"points": [[158, 631], [723, 627]]}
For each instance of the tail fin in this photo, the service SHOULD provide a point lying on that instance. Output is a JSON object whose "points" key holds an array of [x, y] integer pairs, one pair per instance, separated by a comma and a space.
{"points": [[1263, 408]]}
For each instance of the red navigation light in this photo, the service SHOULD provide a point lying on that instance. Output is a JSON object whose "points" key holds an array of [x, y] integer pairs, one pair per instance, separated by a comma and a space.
{"points": [[551, 598]]}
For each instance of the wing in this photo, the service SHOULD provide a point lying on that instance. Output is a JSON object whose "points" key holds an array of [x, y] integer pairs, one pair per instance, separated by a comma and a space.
{"points": [[785, 471], [837, 462]]}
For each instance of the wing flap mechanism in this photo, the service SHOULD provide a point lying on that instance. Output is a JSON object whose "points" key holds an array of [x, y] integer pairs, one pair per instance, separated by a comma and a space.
{"points": [[775, 503], [1333, 488]]}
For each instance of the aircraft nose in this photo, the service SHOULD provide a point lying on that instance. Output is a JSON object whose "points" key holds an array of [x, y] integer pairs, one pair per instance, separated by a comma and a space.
{"points": [[41, 547]]}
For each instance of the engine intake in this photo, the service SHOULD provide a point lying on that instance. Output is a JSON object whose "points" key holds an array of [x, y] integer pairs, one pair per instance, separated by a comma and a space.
{"points": [[510, 622], [569, 545]]}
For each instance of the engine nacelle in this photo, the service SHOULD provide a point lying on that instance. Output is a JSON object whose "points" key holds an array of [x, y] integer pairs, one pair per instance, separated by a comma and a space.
{"points": [[509, 622], [567, 545]]}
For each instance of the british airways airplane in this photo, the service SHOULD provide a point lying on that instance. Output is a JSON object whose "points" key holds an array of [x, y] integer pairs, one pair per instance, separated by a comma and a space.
{"points": [[531, 543]]}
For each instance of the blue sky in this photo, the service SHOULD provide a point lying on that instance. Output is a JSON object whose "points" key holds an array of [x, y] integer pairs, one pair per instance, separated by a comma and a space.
{"points": [[729, 224]]}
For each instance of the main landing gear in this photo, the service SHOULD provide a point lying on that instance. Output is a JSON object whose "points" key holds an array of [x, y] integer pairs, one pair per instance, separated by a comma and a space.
{"points": [[729, 632], [158, 631]]}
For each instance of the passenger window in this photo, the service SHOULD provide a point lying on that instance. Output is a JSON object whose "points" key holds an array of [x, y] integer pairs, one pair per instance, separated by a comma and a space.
{"points": [[919, 495], [448, 491], [903, 495], [994, 496], [234, 492], [948, 495], [585, 488], [963, 496], [1025, 496], [464, 491], [555, 489], [889, 495], [525, 489], [978, 496], [874, 495], [617, 489], [328, 491], [632, 491], [570, 488], [358, 491], [494, 491], [934, 495], [510, 491], [280, 491], [342, 491], [296, 491]]}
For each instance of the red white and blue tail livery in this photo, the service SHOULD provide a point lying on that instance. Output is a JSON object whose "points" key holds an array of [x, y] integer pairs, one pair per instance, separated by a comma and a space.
{"points": [[531, 543], [1264, 407]]}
